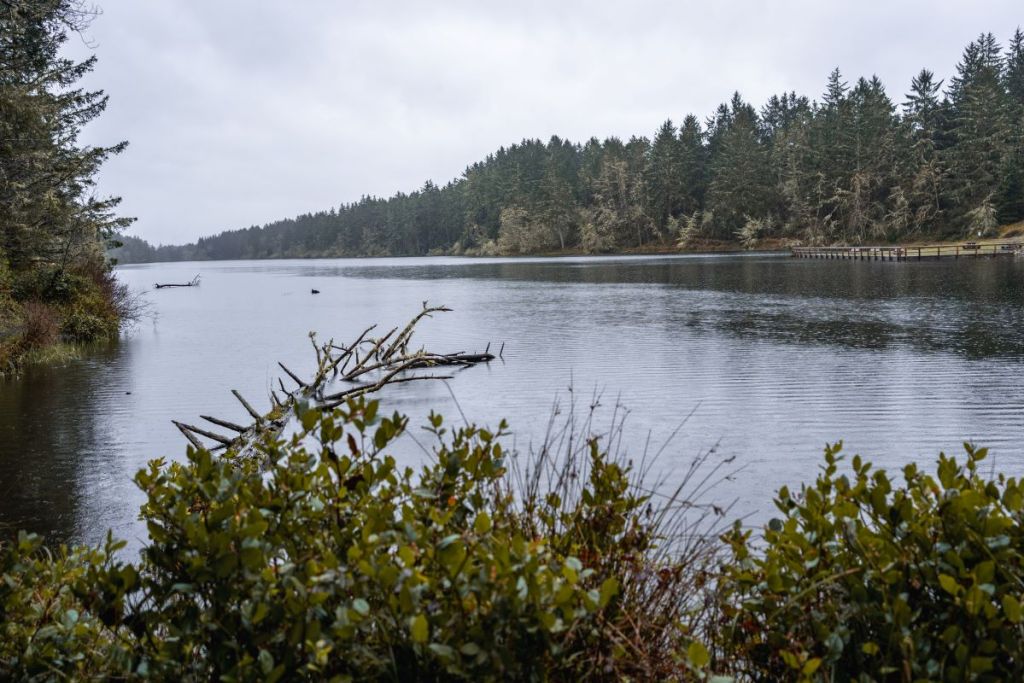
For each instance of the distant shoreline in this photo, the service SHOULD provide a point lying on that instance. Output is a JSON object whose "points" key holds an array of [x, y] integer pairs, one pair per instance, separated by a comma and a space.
{"points": [[1009, 233]]}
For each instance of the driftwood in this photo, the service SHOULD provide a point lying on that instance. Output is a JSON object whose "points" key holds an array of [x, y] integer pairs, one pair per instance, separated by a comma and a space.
{"points": [[368, 364], [194, 282]]}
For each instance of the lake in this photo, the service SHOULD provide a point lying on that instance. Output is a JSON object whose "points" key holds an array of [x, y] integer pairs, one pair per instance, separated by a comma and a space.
{"points": [[770, 357]]}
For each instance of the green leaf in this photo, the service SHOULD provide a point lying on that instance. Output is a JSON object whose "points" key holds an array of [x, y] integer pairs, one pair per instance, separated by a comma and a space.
{"points": [[448, 540], [949, 584], [309, 419], [609, 589], [442, 651], [419, 629], [698, 654], [361, 606], [482, 524], [266, 662], [1011, 607]]}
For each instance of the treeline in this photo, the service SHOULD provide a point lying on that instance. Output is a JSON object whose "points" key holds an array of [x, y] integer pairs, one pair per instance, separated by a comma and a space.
{"points": [[947, 160]]}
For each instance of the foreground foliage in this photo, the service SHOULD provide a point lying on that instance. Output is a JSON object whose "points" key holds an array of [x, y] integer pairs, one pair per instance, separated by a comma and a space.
{"points": [[866, 578], [328, 561]]}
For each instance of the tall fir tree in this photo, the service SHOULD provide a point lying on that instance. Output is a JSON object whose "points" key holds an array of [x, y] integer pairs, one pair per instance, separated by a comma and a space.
{"points": [[663, 176], [981, 131], [922, 166], [741, 186], [49, 213], [1010, 203]]}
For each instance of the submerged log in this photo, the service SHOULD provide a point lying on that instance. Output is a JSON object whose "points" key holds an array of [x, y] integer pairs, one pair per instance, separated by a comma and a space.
{"points": [[368, 364], [194, 282]]}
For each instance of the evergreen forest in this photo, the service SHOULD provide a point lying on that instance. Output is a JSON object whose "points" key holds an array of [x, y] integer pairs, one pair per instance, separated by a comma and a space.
{"points": [[858, 164]]}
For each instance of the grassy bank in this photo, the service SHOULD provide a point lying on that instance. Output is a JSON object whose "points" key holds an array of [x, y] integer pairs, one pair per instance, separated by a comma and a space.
{"points": [[47, 313]]}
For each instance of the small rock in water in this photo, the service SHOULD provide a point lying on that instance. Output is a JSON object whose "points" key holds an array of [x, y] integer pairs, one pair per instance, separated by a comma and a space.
{"points": [[315, 291]]}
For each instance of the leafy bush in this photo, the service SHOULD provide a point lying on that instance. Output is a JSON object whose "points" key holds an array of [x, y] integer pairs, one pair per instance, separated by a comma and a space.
{"points": [[48, 284], [866, 579], [47, 629], [80, 326], [83, 305], [328, 561]]}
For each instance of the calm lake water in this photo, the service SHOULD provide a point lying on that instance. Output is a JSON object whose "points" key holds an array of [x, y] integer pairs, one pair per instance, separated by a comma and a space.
{"points": [[773, 357]]}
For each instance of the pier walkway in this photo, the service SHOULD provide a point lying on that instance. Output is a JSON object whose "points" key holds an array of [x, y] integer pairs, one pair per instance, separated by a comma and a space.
{"points": [[913, 253]]}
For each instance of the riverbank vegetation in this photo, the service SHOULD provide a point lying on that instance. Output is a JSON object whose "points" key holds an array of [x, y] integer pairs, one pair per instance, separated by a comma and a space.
{"points": [[859, 164], [327, 560], [55, 283]]}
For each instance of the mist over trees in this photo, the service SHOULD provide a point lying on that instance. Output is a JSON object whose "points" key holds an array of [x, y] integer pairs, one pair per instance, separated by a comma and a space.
{"points": [[857, 164]]}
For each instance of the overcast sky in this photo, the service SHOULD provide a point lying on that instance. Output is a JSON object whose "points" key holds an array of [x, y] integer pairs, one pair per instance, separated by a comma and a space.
{"points": [[240, 112]]}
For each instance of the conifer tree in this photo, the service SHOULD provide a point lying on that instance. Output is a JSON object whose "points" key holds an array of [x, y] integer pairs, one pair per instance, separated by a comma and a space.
{"points": [[49, 213], [692, 166], [663, 176], [922, 166], [1011, 189], [981, 130], [741, 185]]}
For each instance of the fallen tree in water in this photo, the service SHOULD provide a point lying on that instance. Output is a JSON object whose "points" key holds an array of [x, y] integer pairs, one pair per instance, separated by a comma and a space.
{"points": [[194, 282], [365, 366]]}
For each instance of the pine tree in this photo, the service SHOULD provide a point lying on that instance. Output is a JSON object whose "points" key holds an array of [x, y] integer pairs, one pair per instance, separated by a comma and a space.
{"points": [[981, 128], [833, 149], [663, 176], [785, 123], [48, 213], [865, 206], [692, 166], [741, 185], [921, 164], [1010, 202], [617, 218]]}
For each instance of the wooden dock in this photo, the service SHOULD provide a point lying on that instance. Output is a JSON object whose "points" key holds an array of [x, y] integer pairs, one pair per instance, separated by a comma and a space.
{"points": [[928, 252]]}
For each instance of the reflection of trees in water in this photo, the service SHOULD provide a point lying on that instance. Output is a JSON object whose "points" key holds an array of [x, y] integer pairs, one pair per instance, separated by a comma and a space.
{"points": [[973, 341], [982, 279], [974, 309], [50, 421]]}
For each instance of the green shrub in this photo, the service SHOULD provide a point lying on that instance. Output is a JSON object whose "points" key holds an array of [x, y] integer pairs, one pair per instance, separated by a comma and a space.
{"points": [[327, 561], [867, 579], [80, 326], [47, 629], [48, 284], [335, 562]]}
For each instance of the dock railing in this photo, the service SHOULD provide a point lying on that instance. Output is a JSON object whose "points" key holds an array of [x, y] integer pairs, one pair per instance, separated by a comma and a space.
{"points": [[912, 253]]}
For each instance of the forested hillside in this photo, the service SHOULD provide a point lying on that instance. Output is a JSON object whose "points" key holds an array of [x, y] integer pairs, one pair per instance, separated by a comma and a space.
{"points": [[55, 283], [859, 164]]}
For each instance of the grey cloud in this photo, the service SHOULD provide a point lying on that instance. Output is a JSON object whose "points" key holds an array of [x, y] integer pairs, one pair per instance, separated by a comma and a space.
{"points": [[243, 112]]}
